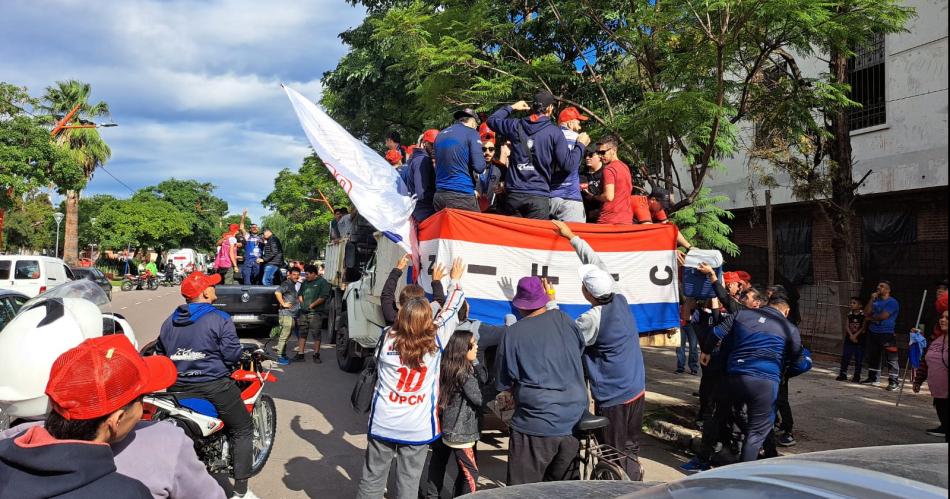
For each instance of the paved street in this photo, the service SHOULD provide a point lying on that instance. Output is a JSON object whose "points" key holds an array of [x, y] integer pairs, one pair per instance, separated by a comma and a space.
{"points": [[320, 440]]}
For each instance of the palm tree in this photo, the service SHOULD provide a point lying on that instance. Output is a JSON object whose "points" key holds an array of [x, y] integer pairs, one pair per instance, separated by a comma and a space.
{"points": [[84, 145]]}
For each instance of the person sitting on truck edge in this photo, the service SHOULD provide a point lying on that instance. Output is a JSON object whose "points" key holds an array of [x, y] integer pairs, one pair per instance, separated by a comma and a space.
{"points": [[203, 344], [272, 256], [458, 155], [613, 360], [314, 294], [538, 149]]}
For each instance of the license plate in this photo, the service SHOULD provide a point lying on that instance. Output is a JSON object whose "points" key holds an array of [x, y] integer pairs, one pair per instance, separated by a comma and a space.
{"points": [[243, 317]]}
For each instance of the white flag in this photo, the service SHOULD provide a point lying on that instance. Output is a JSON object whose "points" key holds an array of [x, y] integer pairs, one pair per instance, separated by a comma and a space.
{"points": [[372, 184]]}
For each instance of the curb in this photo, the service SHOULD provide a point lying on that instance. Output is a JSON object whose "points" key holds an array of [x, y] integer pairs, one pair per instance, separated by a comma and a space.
{"points": [[657, 425]]}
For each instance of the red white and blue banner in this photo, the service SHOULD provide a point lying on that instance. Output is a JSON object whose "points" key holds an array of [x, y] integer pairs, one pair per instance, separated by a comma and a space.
{"points": [[371, 183], [500, 250]]}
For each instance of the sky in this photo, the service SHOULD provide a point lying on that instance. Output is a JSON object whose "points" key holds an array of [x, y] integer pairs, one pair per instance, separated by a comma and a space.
{"points": [[194, 86]]}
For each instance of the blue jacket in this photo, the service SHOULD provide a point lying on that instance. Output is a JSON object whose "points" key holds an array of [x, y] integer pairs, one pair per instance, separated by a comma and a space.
{"points": [[887, 325], [201, 341], [533, 175], [614, 362], [420, 180], [566, 182], [458, 152], [762, 342]]}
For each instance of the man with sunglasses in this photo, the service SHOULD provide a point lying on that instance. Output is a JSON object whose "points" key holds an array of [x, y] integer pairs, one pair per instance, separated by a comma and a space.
{"points": [[490, 180], [616, 187]]}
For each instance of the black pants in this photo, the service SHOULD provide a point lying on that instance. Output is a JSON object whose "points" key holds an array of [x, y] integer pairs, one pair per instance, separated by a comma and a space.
{"points": [[882, 345], [528, 206], [718, 427], [623, 433], [758, 394], [465, 482], [787, 423], [709, 381], [532, 459], [943, 414], [454, 200], [225, 395], [852, 351]]}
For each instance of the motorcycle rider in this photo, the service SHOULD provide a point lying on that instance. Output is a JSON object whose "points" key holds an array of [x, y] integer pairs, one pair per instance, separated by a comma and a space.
{"points": [[203, 343]]}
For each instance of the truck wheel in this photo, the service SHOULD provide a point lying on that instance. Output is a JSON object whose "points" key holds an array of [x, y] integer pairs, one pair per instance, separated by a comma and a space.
{"points": [[346, 357]]}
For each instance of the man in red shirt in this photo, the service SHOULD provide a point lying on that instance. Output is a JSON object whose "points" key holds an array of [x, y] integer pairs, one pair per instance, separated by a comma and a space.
{"points": [[616, 186]]}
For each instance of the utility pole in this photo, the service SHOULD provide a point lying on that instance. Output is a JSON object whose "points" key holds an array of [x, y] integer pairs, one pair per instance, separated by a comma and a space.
{"points": [[770, 234]]}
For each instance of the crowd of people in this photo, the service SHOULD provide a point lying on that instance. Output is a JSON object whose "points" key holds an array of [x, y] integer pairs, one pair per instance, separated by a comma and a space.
{"points": [[248, 256]]}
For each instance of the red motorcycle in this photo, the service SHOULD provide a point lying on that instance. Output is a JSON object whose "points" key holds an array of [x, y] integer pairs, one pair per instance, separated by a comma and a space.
{"points": [[198, 417], [142, 281]]}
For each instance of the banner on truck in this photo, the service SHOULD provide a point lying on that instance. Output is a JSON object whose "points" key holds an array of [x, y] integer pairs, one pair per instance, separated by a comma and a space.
{"points": [[371, 183], [498, 251]]}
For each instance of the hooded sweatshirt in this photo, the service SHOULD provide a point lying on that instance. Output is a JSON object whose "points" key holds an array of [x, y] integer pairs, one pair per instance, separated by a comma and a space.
{"points": [[458, 153], [420, 180], [532, 174], [36, 465], [201, 341]]}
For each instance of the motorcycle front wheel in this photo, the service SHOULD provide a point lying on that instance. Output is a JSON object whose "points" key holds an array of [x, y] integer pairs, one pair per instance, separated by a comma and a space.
{"points": [[127, 285], [152, 284], [264, 416]]}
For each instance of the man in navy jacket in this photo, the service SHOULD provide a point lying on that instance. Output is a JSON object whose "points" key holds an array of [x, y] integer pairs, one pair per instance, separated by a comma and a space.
{"points": [[538, 147], [420, 176], [458, 158]]}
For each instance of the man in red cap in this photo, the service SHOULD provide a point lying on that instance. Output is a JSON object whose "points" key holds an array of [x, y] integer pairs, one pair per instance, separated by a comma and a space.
{"points": [[95, 391], [203, 343], [567, 205], [420, 176]]}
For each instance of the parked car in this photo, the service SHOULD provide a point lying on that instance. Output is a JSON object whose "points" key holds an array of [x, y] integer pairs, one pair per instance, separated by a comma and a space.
{"points": [[918, 471], [95, 275], [10, 303], [32, 275]]}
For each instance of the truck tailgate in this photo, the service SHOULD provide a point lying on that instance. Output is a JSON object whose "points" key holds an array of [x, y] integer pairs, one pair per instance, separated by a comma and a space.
{"points": [[237, 300]]}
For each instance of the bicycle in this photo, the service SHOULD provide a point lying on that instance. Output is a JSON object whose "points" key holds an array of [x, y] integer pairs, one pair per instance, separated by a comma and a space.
{"points": [[597, 461]]}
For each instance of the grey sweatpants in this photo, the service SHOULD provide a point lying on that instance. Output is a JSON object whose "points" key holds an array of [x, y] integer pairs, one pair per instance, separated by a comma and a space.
{"points": [[568, 210], [410, 460]]}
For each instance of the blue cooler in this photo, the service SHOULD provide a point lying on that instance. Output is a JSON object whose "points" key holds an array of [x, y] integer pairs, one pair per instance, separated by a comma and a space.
{"points": [[695, 283]]}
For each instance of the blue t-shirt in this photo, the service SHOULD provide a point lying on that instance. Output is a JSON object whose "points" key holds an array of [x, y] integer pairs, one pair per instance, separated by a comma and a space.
{"points": [[887, 325], [252, 248]]}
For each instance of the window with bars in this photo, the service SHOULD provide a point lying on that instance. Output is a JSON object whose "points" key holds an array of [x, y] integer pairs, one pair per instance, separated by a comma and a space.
{"points": [[867, 78]]}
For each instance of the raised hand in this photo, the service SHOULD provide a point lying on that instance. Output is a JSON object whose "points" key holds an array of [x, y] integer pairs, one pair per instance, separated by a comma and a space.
{"points": [[458, 269], [507, 287], [520, 106], [438, 272], [563, 230], [403, 262]]}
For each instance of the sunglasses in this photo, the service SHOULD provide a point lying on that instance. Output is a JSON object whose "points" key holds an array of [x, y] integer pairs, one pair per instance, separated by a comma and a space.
{"points": [[602, 153], [488, 149]]}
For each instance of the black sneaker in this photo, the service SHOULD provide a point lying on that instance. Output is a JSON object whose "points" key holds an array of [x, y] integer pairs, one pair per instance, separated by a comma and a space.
{"points": [[316, 359], [679, 371], [299, 357], [892, 385], [937, 432], [856, 378], [787, 440], [842, 377], [869, 381]]}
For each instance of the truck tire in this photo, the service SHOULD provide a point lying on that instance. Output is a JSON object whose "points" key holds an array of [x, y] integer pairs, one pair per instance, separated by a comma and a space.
{"points": [[346, 356]]}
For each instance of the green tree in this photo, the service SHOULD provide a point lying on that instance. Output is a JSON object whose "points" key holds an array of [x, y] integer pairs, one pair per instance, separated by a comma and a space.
{"points": [[28, 158], [89, 208], [198, 206], [141, 222], [304, 219], [85, 147], [29, 223]]}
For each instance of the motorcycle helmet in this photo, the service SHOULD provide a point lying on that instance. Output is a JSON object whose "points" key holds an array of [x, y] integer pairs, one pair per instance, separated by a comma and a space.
{"points": [[30, 343]]}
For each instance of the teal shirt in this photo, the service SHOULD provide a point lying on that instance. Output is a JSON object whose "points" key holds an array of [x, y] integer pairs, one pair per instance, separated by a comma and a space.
{"points": [[311, 291]]}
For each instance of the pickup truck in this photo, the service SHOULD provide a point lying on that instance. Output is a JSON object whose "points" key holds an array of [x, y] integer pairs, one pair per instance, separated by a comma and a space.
{"points": [[250, 307]]}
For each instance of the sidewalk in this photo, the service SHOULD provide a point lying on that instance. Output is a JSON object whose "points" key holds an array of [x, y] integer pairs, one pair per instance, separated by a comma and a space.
{"points": [[828, 414]]}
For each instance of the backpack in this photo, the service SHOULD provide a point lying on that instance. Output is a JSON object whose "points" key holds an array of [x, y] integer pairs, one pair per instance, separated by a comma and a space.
{"points": [[365, 388]]}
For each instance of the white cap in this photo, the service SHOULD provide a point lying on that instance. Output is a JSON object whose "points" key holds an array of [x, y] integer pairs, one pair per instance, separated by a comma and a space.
{"points": [[596, 280]]}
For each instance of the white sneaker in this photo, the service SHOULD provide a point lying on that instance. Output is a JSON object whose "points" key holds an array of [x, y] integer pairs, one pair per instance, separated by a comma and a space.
{"points": [[247, 495]]}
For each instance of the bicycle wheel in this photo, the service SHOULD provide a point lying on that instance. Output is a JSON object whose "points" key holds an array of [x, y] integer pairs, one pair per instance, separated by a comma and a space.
{"points": [[604, 470]]}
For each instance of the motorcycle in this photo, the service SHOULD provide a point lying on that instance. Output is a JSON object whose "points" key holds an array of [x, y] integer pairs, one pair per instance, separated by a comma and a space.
{"points": [[198, 417], [170, 279], [141, 281]]}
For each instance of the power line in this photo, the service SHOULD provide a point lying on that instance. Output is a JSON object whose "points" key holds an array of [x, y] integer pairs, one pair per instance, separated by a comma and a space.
{"points": [[131, 190]]}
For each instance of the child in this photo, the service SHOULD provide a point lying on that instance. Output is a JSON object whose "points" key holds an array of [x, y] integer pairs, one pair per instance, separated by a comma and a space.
{"points": [[853, 341], [460, 401]]}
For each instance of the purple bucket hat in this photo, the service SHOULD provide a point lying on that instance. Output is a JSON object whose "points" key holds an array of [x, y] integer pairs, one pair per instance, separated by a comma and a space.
{"points": [[530, 294]]}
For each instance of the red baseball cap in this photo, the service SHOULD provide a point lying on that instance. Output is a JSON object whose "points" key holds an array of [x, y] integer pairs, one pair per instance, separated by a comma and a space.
{"points": [[729, 277], [102, 375], [197, 282], [394, 157], [744, 276], [570, 113], [430, 135]]}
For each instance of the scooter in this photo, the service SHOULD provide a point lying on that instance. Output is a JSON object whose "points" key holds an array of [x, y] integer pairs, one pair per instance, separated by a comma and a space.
{"points": [[199, 419]]}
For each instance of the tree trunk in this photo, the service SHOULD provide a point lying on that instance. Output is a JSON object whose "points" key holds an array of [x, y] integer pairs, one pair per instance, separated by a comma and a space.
{"points": [[71, 238], [840, 211], [3, 213]]}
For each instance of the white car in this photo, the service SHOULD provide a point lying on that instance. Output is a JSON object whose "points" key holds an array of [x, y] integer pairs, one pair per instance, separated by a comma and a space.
{"points": [[32, 275]]}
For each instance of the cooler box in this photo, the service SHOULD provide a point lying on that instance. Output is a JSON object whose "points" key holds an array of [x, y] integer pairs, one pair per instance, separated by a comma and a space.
{"points": [[695, 283]]}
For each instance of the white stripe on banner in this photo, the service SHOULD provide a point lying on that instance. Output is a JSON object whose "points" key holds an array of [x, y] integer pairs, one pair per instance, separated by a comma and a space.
{"points": [[646, 278]]}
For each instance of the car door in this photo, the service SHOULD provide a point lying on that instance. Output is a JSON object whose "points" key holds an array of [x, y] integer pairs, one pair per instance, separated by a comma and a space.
{"points": [[9, 305], [54, 273], [27, 277]]}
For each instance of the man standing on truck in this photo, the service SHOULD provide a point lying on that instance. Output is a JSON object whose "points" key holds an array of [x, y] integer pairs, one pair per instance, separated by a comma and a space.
{"points": [[252, 252], [314, 294], [289, 299], [272, 256]]}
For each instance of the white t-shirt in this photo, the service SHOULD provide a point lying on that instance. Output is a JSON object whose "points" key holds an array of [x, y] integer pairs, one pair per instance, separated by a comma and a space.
{"points": [[404, 407]]}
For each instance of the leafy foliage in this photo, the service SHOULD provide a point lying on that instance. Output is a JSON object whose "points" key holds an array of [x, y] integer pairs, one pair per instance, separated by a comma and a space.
{"points": [[196, 206], [29, 223], [141, 222]]}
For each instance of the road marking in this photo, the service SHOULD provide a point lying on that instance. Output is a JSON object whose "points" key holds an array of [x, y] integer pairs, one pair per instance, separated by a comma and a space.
{"points": [[123, 308], [149, 299], [138, 303]]}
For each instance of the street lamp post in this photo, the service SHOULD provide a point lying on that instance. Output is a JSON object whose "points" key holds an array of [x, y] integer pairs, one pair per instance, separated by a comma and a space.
{"points": [[59, 219], [95, 245]]}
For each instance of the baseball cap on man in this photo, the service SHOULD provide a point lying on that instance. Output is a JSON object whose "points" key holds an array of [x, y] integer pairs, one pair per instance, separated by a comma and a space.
{"points": [[465, 113], [543, 99], [394, 157], [596, 280], [730, 277], [102, 375], [430, 135], [570, 113], [197, 282]]}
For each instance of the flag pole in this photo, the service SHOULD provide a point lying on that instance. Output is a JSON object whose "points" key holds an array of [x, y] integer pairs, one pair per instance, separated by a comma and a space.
{"points": [[920, 314]]}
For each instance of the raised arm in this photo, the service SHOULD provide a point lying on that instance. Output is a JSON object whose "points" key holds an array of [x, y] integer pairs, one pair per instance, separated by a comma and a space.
{"points": [[448, 317], [387, 297], [243, 219], [581, 247]]}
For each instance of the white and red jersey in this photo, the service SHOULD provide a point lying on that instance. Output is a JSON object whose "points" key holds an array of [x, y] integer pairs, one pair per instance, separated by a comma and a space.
{"points": [[405, 405]]}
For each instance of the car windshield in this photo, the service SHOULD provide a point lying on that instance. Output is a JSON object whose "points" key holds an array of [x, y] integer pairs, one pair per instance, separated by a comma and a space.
{"points": [[87, 290]]}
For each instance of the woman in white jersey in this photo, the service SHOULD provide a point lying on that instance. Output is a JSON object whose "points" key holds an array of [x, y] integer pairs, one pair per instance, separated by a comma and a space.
{"points": [[403, 420]]}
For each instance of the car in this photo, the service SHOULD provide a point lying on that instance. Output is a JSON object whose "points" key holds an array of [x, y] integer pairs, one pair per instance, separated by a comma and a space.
{"points": [[32, 274], [95, 275], [895, 471], [250, 307], [10, 303]]}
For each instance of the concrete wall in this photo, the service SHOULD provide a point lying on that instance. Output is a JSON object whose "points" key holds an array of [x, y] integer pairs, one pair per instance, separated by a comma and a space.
{"points": [[909, 151]]}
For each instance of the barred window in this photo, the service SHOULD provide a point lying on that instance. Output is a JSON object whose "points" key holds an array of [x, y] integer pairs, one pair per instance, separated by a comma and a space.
{"points": [[866, 76]]}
